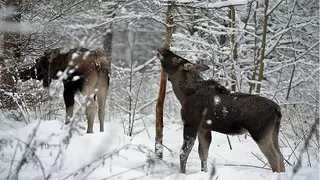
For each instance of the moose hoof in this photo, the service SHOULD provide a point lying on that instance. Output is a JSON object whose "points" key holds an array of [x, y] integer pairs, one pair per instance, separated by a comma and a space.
{"points": [[182, 171], [204, 169]]}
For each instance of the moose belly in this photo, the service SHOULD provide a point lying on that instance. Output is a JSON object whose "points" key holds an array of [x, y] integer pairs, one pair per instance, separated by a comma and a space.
{"points": [[225, 126]]}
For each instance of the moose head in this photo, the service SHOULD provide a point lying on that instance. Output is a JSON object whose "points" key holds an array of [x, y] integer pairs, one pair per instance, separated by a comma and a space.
{"points": [[47, 66]]}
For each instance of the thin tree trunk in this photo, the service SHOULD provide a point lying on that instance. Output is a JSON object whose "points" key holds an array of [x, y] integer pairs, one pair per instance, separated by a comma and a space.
{"points": [[11, 55], [263, 45], [163, 84], [293, 71], [234, 47], [256, 52]]}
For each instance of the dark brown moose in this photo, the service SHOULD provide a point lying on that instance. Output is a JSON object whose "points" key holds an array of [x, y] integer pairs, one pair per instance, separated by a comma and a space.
{"points": [[83, 71], [207, 106]]}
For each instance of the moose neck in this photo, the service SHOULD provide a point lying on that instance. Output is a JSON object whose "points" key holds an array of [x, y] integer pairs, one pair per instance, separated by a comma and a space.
{"points": [[184, 83], [60, 63]]}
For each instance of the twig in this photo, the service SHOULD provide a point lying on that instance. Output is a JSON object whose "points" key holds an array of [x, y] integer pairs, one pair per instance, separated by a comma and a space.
{"points": [[306, 144], [12, 160], [304, 137], [35, 156], [141, 166], [294, 149], [100, 160], [245, 165], [27, 152], [213, 172], [287, 161], [229, 143], [239, 138], [289, 145], [259, 159], [170, 151]]}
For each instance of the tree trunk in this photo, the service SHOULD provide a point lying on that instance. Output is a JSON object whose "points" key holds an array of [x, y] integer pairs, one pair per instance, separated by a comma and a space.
{"points": [[256, 52], [234, 46], [263, 45], [11, 55], [163, 84]]}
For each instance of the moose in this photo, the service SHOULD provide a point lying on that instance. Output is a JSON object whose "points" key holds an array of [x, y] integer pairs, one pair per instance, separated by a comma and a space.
{"points": [[84, 71], [208, 106]]}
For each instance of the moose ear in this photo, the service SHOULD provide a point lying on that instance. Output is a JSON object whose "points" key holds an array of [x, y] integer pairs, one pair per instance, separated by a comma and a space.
{"points": [[55, 52], [176, 60], [202, 67], [52, 53], [195, 67]]}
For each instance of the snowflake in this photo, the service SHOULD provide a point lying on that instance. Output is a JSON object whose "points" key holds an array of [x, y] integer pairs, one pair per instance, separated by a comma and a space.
{"points": [[224, 112], [75, 78], [86, 54], [74, 56], [71, 71], [60, 73], [216, 100], [209, 122], [181, 152], [159, 148]]}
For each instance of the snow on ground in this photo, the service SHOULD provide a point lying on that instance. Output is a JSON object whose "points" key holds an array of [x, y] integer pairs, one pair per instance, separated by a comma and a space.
{"points": [[113, 155]]}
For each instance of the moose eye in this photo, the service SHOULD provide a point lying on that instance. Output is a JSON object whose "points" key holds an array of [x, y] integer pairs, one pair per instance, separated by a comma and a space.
{"points": [[175, 59]]}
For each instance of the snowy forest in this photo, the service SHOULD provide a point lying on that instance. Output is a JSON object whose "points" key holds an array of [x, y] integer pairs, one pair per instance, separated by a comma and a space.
{"points": [[260, 47]]}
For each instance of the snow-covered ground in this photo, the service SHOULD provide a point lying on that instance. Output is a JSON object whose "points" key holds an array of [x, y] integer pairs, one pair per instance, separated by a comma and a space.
{"points": [[113, 155]]}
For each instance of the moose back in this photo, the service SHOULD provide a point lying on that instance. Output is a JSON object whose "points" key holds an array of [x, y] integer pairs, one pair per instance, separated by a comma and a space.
{"points": [[83, 71]]}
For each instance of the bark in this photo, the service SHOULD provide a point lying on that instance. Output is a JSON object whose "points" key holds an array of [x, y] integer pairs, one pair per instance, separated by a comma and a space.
{"points": [[263, 44], [11, 56], [163, 84], [11, 39], [234, 46], [256, 52]]}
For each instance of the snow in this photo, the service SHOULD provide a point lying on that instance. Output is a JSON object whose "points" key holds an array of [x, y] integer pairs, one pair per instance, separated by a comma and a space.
{"points": [[86, 55], [113, 155], [206, 4], [60, 73], [216, 100], [74, 56], [218, 4], [224, 112], [75, 78]]}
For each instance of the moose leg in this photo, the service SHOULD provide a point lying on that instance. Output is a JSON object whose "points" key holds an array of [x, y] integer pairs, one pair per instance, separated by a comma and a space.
{"points": [[68, 96], [204, 138], [275, 139], [267, 147], [88, 91], [102, 97], [90, 114], [189, 136]]}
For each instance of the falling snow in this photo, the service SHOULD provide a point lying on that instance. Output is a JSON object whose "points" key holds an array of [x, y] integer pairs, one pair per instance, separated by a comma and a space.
{"points": [[75, 78], [71, 71], [224, 112], [74, 55], [86, 54], [60, 73], [158, 148], [216, 100]]}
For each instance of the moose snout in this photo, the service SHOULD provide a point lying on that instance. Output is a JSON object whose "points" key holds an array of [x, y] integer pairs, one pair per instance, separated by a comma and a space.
{"points": [[159, 50], [25, 75], [160, 53]]}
